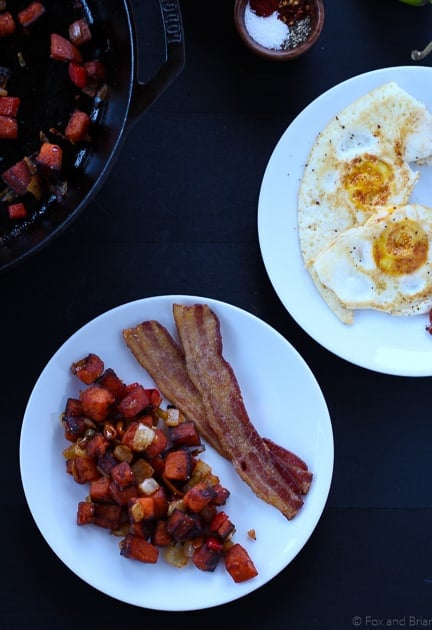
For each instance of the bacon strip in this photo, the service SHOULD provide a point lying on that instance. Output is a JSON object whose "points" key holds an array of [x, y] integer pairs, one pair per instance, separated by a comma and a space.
{"points": [[199, 332], [158, 353]]}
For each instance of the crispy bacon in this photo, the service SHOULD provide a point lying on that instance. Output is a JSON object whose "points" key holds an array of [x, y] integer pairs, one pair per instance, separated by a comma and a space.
{"points": [[157, 352], [199, 332], [160, 355]]}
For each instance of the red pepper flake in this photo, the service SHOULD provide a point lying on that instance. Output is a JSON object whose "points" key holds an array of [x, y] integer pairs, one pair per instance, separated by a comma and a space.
{"points": [[264, 8], [291, 11]]}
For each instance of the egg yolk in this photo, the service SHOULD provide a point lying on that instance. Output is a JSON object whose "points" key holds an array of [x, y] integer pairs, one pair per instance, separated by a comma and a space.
{"points": [[367, 180], [402, 247]]}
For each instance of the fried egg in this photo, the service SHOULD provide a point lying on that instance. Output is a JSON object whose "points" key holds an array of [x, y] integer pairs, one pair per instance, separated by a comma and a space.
{"points": [[361, 161], [384, 264]]}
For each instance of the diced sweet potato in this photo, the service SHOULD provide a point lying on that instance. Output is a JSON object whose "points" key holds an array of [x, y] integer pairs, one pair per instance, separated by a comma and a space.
{"points": [[88, 369], [197, 497], [206, 559], [97, 446], [122, 475], [17, 177], [239, 564], [161, 537], [107, 462], [79, 32], [222, 526], [183, 526], [9, 105], [85, 513], [63, 50], [74, 427], [141, 509], [95, 70], [7, 24], [222, 494], [107, 515], [178, 465], [158, 444], [135, 401], [96, 402], [84, 469], [8, 128], [17, 210], [73, 407], [100, 490], [122, 496], [78, 127], [185, 433], [30, 14], [49, 159], [112, 383], [138, 548]]}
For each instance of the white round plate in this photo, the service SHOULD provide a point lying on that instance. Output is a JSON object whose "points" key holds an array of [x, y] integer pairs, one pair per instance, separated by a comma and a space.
{"points": [[284, 402], [377, 341]]}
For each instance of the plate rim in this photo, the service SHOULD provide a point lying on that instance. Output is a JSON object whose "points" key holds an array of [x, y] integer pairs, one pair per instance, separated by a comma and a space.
{"points": [[325, 422]]}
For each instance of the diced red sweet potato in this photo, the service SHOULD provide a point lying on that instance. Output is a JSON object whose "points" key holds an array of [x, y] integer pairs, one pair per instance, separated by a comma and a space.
{"points": [[183, 526], [100, 490], [239, 564], [206, 559], [74, 427], [107, 515], [122, 496], [79, 32], [160, 502], [88, 369], [17, 210], [8, 128], [96, 402], [134, 401], [30, 14], [178, 465], [112, 383], [85, 513], [185, 433], [222, 526], [141, 509], [17, 177], [161, 536], [50, 157], [122, 475], [77, 74], [138, 548], [84, 469], [158, 444], [9, 105], [63, 50], [97, 446], [7, 24], [95, 70], [77, 127], [197, 497], [222, 494]]}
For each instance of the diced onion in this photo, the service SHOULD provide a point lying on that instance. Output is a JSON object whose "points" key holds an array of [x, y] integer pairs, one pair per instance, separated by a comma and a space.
{"points": [[143, 437]]}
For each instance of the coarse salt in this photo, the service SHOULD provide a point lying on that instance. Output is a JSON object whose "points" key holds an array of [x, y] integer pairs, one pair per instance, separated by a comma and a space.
{"points": [[269, 32]]}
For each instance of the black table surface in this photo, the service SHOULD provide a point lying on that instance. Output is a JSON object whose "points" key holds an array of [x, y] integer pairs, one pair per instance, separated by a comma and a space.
{"points": [[178, 215]]}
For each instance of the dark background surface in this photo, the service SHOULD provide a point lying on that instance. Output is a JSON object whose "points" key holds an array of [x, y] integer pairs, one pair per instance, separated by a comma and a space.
{"points": [[178, 215]]}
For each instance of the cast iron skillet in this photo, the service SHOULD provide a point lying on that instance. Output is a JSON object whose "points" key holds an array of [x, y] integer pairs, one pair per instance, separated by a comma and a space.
{"points": [[48, 98]]}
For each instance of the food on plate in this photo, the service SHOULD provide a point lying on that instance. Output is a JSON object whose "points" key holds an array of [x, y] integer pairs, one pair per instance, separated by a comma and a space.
{"points": [[361, 161], [385, 264], [201, 383], [147, 483], [52, 89]]}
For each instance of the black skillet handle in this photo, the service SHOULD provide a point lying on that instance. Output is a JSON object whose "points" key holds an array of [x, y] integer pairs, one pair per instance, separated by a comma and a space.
{"points": [[144, 94]]}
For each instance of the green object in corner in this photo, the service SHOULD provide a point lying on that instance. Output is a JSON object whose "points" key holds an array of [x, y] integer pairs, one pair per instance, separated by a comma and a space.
{"points": [[417, 3]]}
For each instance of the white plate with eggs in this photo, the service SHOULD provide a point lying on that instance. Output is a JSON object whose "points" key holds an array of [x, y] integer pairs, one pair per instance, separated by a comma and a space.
{"points": [[398, 345]]}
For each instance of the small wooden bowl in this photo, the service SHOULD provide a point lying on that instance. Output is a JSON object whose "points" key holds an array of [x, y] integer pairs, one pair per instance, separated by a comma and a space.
{"points": [[317, 22]]}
